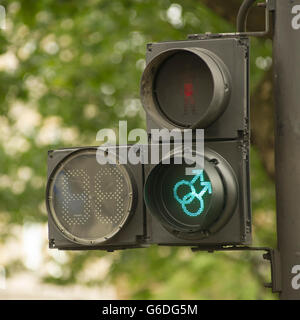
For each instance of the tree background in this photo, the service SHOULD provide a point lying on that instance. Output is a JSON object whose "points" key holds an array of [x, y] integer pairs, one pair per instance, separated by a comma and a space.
{"points": [[70, 68]]}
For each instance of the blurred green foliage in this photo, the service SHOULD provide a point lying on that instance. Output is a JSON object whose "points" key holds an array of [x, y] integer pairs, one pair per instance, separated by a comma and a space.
{"points": [[72, 68]]}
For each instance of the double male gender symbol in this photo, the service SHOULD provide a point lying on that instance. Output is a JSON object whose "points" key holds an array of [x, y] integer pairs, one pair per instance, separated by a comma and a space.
{"points": [[192, 195]]}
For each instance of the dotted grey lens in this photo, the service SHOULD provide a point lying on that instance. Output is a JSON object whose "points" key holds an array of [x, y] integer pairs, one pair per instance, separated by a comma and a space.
{"points": [[88, 201]]}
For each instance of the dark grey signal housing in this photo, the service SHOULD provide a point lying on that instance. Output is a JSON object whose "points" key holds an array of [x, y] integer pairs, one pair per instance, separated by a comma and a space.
{"points": [[226, 219], [193, 84], [92, 205], [198, 84]]}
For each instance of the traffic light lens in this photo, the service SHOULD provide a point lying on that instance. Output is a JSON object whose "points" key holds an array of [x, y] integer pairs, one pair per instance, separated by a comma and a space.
{"points": [[185, 204], [186, 198], [194, 193], [192, 206], [183, 87], [89, 202]]}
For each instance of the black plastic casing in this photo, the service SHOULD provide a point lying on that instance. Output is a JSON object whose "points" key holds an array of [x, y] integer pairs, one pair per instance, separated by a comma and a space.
{"points": [[237, 230], [228, 136], [130, 236], [234, 53], [144, 229]]}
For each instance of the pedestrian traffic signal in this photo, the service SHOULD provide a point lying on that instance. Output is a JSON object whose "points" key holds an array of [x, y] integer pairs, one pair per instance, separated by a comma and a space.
{"points": [[198, 84], [95, 200], [209, 208], [92, 204], [186, 88], [194, 206]]}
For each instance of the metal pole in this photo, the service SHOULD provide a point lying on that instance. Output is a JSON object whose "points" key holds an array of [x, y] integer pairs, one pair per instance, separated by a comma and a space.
{"points": [[287, 142]]}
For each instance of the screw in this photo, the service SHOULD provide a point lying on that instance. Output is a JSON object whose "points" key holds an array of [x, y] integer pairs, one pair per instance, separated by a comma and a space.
{"points": [[267, 256], [214, 161]]}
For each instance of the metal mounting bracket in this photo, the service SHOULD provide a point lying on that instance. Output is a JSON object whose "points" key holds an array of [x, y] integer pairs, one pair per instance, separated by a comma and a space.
{"points": [[269, 5], [272, 255]]}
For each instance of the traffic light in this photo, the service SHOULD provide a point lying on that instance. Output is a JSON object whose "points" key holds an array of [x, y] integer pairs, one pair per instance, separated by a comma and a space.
{"points": [[96, 203], [93, 205], [208, 208], [200, 84]]}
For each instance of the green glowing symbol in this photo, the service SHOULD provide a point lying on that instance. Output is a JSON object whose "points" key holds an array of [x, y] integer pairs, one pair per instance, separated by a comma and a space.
{"points": [[189, 197]]}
